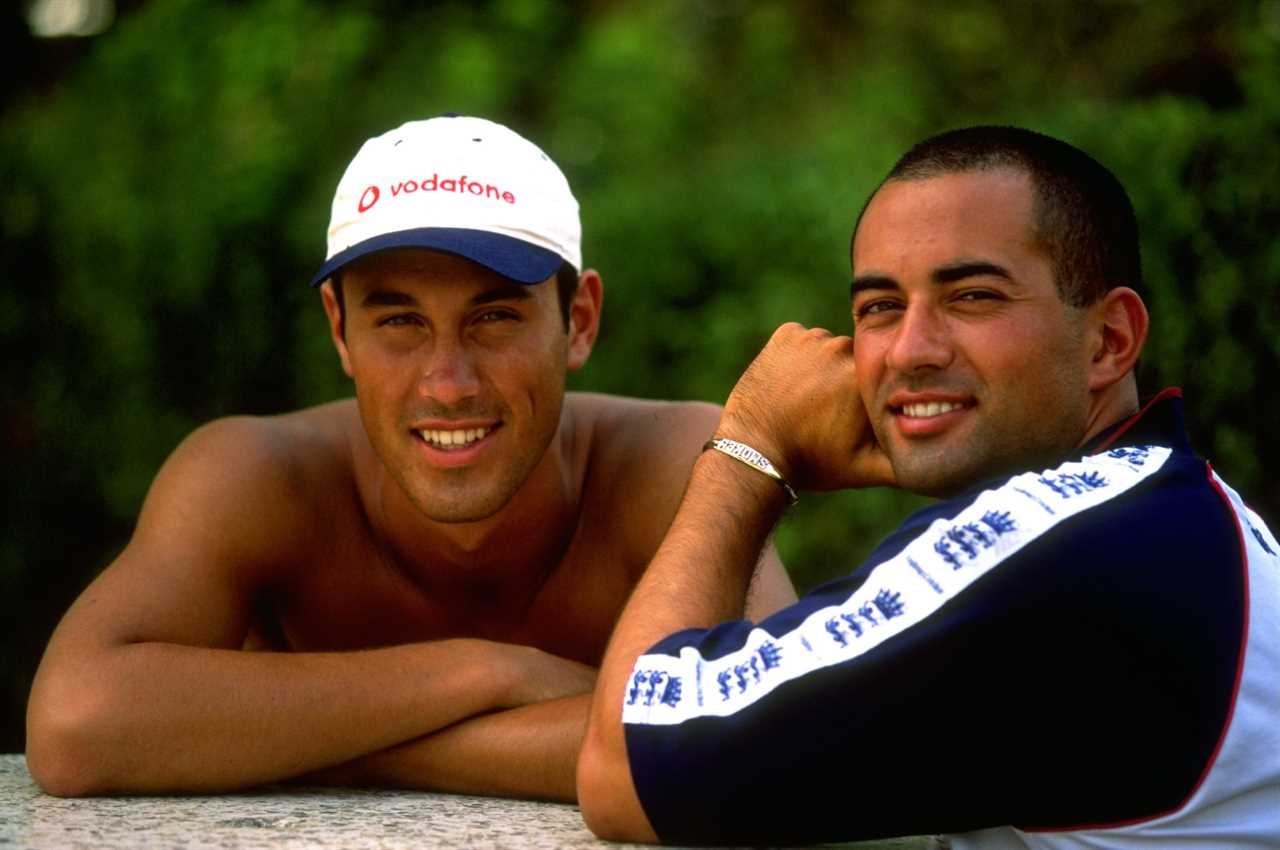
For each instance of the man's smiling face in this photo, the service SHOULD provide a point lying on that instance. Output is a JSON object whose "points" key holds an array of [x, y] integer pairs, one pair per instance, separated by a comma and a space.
{"points": [[459, 376], [968, 361]]}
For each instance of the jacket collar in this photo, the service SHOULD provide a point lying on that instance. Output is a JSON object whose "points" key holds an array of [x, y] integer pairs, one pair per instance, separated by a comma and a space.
{"points": [[1159, 422]]}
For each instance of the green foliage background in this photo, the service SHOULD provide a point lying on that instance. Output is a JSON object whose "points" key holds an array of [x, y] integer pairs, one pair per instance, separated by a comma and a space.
{"points": [[165, 203]]}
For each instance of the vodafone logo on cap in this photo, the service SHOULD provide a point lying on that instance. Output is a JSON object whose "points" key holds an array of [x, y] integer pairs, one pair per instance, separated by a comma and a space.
{"points": [[368, 198], [458, 185]]}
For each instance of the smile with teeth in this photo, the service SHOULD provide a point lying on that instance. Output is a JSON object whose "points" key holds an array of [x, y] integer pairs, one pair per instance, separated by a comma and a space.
{"points": [[455, 439], [924, 410]]}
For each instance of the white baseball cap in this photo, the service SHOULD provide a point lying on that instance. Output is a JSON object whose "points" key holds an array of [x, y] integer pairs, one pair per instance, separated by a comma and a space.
{"points": [[466, 186]]}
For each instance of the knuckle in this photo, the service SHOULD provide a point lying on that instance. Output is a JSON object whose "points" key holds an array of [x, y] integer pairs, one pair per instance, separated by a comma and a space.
{"points": [[789, 329]]}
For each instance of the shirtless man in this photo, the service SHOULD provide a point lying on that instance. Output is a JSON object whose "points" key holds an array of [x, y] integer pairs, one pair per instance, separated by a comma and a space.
{"points": [[429, 571]]}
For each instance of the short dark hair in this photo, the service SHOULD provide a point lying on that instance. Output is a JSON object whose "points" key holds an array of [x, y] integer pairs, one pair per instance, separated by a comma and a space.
{"points": [[1082, 216], [566, 288]]}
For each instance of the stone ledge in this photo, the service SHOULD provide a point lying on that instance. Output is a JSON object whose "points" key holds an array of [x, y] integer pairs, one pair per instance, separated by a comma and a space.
{"points": [[292, 819]]}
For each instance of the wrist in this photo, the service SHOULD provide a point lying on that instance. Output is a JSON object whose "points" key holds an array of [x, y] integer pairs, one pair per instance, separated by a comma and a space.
{"points": [[489, 673], [735, 488], [754, 459]]}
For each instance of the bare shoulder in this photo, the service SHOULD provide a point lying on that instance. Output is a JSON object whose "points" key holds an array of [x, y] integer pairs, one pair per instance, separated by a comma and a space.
{"points": [[314, 438], [638, 416], [235, 508], [643, 435], [642, 453], [243, 487], [639, 459], [273, 456]]}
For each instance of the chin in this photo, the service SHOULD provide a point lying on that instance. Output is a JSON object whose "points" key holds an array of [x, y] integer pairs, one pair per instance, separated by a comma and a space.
{"points": [[461, 512], [934, 489], [928, 477], [458, 504]]}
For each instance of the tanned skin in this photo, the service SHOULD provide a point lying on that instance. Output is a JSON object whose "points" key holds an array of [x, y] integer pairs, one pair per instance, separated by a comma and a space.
{"points": [[326, 597]]}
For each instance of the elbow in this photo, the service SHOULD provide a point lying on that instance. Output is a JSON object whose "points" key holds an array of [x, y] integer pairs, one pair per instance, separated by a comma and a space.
{"points": [[59, 774], [594, 796], [607, 797], [64, 748]]}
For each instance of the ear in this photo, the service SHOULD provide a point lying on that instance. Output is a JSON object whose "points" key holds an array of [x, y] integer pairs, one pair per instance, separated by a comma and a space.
{"points": [[1119, 323], [336, 331], [584, 317]]}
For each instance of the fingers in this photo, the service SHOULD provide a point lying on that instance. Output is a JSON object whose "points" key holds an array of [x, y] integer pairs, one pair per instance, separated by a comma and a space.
{"points": [[798, 404], [793, 356]]}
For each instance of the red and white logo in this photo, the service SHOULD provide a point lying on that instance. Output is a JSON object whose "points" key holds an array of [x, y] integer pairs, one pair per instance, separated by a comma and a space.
{"points": [[459, 185]]}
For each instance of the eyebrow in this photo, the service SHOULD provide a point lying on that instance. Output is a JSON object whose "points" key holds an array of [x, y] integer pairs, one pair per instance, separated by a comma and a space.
{"points": [[396, 298], [386, 298], [952, 272], [861, 283], [506, 292], [949, 273]]}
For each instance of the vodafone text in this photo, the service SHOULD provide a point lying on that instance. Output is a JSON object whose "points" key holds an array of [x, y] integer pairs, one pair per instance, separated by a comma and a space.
{"points": [[371, 195]]}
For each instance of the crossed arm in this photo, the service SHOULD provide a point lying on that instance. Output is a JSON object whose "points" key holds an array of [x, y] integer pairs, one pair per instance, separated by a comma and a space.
{"points": [[144, 686]]}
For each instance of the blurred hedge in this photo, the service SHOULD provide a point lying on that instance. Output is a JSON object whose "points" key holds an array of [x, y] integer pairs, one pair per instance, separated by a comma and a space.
{"points": [[166, 203]]}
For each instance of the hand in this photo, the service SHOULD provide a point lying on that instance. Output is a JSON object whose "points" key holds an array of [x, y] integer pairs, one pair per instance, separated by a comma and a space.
{"points": [[540, 676], [798, 404]]}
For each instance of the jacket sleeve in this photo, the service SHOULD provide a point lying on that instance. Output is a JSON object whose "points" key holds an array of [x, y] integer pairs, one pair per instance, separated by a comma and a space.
{"points": [[1053, 652]]}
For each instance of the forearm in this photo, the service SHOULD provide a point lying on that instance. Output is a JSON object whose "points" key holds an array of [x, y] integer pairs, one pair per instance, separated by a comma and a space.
{"points": [[527, 752], [157, 717], [699, 577]]}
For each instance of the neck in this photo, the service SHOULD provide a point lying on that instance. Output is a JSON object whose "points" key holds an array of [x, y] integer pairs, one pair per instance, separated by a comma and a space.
{"points": [[1117, 402], [506, 556]]}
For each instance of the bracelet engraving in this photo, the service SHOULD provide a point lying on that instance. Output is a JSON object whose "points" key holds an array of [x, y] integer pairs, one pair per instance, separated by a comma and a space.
{"points": [[752, 458]]}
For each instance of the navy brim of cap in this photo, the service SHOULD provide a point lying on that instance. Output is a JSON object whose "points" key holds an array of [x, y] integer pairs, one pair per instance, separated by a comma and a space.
{"points": [[510, 257]]}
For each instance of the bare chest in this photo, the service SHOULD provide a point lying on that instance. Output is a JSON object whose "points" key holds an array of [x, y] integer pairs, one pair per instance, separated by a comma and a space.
{"points": [[353, 597]]}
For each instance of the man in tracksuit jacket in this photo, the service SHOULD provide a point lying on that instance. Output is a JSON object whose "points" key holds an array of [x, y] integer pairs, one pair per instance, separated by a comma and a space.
{"points": [[1078, 647]]}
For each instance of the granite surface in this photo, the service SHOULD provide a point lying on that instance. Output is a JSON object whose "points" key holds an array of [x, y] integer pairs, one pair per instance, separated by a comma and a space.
{"points": [[280, 818]]}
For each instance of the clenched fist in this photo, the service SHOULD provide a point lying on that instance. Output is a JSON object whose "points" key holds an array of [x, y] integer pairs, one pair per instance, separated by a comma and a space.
{"points": [[798, 404]]}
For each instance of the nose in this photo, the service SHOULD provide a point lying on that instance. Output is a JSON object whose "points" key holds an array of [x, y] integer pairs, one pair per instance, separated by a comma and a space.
{"points": [[449, 374], [921, 341]]}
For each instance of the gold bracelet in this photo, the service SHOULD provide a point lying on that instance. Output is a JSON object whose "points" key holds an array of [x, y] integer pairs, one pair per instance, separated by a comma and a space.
{"points": [[752, 458]]}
